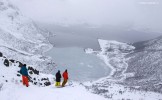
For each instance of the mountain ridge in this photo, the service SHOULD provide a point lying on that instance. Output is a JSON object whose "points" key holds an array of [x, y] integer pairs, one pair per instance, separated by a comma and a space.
{"points": [[21, 39]]}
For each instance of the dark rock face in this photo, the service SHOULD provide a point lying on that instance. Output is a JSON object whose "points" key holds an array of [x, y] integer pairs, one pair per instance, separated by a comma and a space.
{"points": [[11, 60], [1, 55], [6, 62], [18, 75], [20, 64], [32, 70], [34, 79], [47, 83], [40, 82], [35, 83], [44, 79]]}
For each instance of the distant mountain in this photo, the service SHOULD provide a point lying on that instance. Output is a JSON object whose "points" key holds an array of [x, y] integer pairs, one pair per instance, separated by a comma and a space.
{"points": [[21, 39]]}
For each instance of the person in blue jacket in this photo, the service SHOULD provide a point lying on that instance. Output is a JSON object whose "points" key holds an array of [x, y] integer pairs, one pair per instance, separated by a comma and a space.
{"points": [[24, 73]]}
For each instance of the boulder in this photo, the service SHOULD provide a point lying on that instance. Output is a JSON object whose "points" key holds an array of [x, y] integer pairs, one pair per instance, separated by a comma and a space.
{"points": [[18, 75], [1, 55], [12, 60], [33, 70], [47, 83], [6, 62], [20, 64]]}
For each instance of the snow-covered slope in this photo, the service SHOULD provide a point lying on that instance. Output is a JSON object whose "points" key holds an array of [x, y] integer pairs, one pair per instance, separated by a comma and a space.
{"points": [[113, 53], [9, 73], [75, 92], [19, 32], [114, 91], [20, 38], [145, 64], [11, 87], [117, 55]]}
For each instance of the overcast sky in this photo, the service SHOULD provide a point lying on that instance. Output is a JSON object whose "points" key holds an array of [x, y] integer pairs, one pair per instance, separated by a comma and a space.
{"points": [[139, 14]]}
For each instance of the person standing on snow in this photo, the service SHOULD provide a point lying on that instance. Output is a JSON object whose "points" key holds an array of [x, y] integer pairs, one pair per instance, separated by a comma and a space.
{"points": [[65, 76], [24, 73], [58, 78]]}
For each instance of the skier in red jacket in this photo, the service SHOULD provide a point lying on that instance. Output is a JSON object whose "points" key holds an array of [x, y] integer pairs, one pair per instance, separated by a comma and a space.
{"points": [[65, 76]]}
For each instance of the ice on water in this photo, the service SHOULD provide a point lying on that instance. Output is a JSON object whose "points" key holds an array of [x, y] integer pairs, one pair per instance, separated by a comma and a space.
{"points": [[81, 66]]}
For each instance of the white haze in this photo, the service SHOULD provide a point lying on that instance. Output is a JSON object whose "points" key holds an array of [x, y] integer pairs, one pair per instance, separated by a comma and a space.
{"points": [[138, 14]]}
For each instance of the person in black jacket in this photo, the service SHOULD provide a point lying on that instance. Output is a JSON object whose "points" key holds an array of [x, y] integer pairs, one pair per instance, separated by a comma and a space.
{"points": [[58, 78]]}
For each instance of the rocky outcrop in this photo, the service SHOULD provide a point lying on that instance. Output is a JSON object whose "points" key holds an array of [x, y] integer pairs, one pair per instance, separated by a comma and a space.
{"points": [[1, 54], [35, 77]]}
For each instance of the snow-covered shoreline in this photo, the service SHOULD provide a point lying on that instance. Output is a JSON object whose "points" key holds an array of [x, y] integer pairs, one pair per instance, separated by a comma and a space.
{"points": [[113, 54]]}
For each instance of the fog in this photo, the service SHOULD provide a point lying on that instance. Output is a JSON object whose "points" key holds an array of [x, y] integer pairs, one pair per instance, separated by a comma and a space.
{"points": [[125, 20], [140, 13]]}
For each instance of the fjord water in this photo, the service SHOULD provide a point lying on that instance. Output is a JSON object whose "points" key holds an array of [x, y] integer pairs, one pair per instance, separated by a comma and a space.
{"points": [[81, 66]]}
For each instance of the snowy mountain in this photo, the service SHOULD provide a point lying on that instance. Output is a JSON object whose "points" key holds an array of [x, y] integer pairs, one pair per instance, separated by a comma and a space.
{"points": [[123, 59], [21, 39], [145, 64], [136, 71], [42, 87]]}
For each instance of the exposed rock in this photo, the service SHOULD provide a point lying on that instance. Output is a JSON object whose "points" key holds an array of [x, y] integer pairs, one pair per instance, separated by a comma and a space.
{"points": [[11, 60], [47, 83], [20, 64], [1, 54], [30, 72], [18, 75], [44, 79], [31, 69], [6, 63]]}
